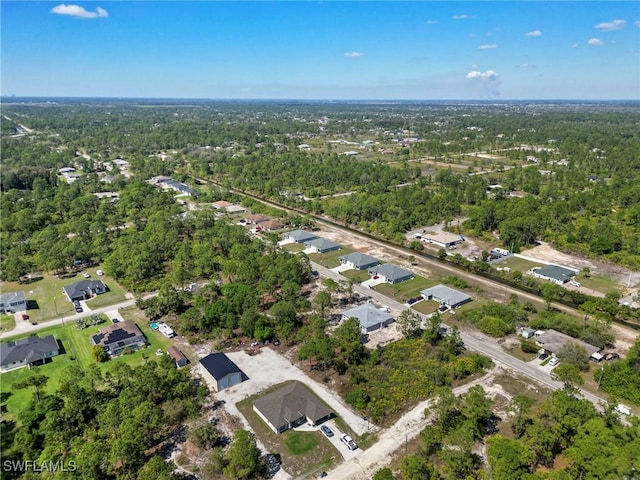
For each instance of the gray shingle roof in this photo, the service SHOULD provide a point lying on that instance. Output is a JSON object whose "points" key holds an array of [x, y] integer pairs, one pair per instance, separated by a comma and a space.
{"points": [[446, 295], [322, 244], [553, 341], [392, 272], [219, 365], [289, 403], [12, 297], [368, 315], [554, 271], [300, 236], [28, 349], [78, 289], [360, 260]]}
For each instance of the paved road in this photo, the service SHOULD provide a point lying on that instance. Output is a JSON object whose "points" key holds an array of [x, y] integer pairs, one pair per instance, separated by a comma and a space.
{"points": [[23, 327]]}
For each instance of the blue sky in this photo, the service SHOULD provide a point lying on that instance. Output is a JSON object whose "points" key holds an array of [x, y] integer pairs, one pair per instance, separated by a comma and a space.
{"points": [[322, 50]]}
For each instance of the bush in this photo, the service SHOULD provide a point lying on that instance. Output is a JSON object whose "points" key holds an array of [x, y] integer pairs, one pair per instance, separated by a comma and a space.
{"points": [[529, 346]]}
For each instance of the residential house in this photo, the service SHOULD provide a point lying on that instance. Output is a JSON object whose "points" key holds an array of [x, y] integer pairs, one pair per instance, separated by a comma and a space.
{"points": [[28, 351], [370, 317], [443, 239], [168, 183], [13, 302], [255, 219], [358, 261], [290, 406], [177, 356], [447, 296], [222, 205], [554, 273], [552, 342], [119, 336], [271, 225], [299, 236], [391, 273], [220, 371], [321, 245], [84, 289]]}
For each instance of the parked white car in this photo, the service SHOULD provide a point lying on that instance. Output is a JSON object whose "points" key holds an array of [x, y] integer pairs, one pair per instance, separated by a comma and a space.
{"points": [[99, 272]]}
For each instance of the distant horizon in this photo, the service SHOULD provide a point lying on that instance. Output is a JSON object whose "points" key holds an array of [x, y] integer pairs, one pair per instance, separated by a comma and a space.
{"points": [[3, 98], [334, 50]]}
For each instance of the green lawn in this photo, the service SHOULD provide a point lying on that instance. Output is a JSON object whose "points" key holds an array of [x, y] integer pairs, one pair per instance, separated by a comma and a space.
{"points": [[7, 322], [294, 247], [358, 275], [76, 343], [300, 443], [426, 307], [520, 264], [47, 301], [599, 284], [403, 291], [329, 259]]}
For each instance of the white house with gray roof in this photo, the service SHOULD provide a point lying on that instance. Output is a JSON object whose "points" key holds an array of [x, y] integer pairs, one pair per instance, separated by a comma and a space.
{"points": [[446, 296], [13, 302], [370, 317], [554, 273], [391, 273], [359, 261], [299, 236], [28, 351], [321, 245], [84, 289]]}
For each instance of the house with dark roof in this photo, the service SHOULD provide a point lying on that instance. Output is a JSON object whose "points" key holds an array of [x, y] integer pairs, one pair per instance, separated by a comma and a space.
{"points": [[290, 406], [554, 273], [119, 336], [28, 351], [369, 317], [448, 296], [299, 236], [84, 289], [552, 342], [359, 261], [220, 371], [391, 273], [13, 302], [321, 245], [177, 356]]}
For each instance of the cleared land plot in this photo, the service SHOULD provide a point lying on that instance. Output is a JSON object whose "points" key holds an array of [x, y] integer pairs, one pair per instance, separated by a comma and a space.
{"points": [[41, 294], [520, 264], [329, 259], [302, 452], [599, 284], [76, 344], [403, 291]]}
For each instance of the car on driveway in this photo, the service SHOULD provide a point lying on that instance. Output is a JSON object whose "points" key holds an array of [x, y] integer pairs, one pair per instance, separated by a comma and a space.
{"points": [[327, 431], [554, 361], [25, 316], [543, 356], [348, 441], [86, 275]]}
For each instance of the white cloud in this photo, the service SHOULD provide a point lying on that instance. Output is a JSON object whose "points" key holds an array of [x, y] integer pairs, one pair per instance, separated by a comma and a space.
{"points": [[533, 33], [595, 41], [431, 22], [489, 74], [487, 46], [527, 65], [78, 11], [460, 17], [354, 54], [611, 26], [487, 83]]}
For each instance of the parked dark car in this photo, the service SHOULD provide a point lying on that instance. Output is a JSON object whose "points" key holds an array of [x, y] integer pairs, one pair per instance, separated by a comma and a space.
{"points": [[327, 431], [543, 356], [78, 309]]}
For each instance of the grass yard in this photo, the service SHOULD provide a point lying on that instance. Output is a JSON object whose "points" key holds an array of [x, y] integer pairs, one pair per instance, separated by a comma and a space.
{"points": [[294, 247], [303, 453], [357, 275], [47, 301], [76, 344], [426, 306], [515, 263], [403, 291], [599, 284], [300, 443], [7, 322], [329, 259]]}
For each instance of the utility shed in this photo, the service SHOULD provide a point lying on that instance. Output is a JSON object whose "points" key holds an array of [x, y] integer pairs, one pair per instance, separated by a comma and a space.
{"points": [[220, 371]]}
